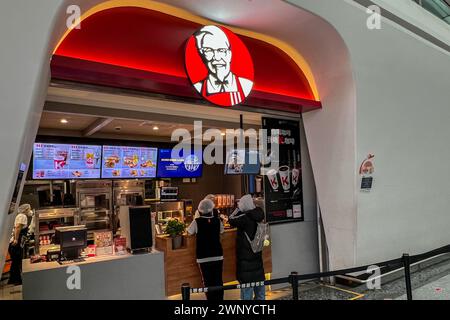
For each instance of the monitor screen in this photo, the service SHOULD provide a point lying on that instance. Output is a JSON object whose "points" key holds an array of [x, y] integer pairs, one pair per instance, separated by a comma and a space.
{"points": [[242, 161], [179, 165], [129, 162], [71, 237], [66, 161]]}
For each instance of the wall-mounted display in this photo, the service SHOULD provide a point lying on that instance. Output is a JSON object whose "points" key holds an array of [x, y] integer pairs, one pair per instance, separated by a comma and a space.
{"points": [[283, 192], [179, 165], [66, 161], [242, 161], [129, 162]]}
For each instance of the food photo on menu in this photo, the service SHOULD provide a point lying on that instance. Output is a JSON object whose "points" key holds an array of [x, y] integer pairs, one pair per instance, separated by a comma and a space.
{"points": [[66, 161], [129, 162]]}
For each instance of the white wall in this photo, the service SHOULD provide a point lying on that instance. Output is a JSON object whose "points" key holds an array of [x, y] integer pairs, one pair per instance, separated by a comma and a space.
{"points": [[403, 109], [295, 245], [25, 33]]}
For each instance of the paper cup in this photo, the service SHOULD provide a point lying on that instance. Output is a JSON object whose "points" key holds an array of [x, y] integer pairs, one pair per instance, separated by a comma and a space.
{"points": [[295, 177], [284, 177], [273, 179]]}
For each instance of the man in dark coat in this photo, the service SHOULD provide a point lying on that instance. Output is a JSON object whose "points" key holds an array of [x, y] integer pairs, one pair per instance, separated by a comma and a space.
{"points": [[249, 265]]}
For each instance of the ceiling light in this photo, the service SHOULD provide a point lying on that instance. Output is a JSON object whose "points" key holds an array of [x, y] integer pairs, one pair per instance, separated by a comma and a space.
{"points": [[155, 128], [64, 121], [222, 134]]}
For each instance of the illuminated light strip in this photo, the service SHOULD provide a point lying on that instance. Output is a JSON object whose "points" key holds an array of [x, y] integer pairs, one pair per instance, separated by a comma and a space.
{"points": [[184, 14]]}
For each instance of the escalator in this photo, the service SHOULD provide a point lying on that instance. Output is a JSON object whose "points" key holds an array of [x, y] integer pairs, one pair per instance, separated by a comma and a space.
{"points": [[440, 8]]}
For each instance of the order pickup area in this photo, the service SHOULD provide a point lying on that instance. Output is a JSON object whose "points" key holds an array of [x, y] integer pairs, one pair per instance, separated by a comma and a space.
{"points": [[139, 276]]}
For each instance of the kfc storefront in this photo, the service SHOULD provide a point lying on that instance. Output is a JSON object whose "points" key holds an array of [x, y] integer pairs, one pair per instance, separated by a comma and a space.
{"points": [[148, 64]]}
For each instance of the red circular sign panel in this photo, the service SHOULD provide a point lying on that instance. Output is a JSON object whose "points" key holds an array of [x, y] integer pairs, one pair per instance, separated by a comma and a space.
{"points": [[219, 66]]}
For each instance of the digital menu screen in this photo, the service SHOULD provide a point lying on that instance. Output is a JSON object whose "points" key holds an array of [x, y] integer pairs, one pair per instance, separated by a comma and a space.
{"points": [[241, 161], [129, 162], [179, 165], [66, 161]]}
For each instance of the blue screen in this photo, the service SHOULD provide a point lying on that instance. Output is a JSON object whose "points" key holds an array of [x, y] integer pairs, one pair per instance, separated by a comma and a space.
{"points": [[241, 161], [179, 165]]}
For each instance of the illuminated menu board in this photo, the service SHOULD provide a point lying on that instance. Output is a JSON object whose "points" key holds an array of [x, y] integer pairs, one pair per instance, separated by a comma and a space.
{"points": [[129, 162], [66, 161]]}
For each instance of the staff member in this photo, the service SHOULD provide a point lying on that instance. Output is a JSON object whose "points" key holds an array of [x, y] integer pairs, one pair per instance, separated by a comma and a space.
{"points": [[15, 244], [208, 228]]}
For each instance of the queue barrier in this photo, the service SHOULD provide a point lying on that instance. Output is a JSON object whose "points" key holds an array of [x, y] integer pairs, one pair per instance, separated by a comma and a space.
{"points": [[405, 261]]}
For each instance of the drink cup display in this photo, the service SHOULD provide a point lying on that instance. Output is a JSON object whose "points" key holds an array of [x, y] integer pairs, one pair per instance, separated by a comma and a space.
{"points": [[273, 179], [295, 177], [59, 162], [284, 177]]}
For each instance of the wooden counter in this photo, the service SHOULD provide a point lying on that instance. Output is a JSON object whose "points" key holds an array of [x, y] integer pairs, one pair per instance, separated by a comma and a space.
{"points": [[180, 265]]}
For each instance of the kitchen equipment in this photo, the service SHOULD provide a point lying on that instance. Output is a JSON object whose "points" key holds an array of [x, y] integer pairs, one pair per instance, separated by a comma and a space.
{"points": [[169, 193], [94, 200]]}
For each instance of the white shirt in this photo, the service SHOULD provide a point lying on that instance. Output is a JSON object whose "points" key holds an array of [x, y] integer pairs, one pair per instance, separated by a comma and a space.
{"points": [[22, 220], [231, 86]]}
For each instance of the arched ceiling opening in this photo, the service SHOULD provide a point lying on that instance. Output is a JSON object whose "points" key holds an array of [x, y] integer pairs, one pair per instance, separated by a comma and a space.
{"points": [[127, 44]]}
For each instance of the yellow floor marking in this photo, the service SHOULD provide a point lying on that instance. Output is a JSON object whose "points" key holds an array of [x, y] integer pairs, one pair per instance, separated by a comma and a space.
{"points": [[356, 294]]}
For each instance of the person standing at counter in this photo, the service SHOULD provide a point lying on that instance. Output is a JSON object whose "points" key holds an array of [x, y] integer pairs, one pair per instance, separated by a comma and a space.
{"points": [[215, 211], [15, 249], [249, 265], [208, 228]]}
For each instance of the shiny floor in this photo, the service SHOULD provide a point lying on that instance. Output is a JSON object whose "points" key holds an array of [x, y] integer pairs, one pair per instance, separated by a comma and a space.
{"points": [[429, 283]]}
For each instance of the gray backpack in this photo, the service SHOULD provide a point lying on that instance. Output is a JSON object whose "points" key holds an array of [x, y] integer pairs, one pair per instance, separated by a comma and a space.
{"points": [[262, 234]]}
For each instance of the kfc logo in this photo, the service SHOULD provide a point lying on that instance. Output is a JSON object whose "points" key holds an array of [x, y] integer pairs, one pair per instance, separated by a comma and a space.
{"points": [[219, 66]]}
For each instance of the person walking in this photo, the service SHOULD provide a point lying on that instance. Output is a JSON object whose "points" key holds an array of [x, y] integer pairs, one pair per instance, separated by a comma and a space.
{"points": [[249, 265], [16, 244], [207, 228]]}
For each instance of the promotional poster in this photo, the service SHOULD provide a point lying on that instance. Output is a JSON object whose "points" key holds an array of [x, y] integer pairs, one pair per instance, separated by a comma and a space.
{"points": [[283, 186]]}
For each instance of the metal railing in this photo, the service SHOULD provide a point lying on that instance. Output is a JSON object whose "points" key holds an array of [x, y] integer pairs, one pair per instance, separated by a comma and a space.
{"points": [[294, 278]]}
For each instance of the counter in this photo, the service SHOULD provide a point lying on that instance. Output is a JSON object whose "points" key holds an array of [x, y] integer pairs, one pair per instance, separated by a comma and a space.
{"points": [[121, 277], [180, 265]]}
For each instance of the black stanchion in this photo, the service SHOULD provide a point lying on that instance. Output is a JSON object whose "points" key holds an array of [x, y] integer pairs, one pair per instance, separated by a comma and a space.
{"points": [[407, 265], [294, 283], [185, 292]]}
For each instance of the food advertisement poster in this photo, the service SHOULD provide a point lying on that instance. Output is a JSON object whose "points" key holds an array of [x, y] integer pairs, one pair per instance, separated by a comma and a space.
{"points": [[103, 241], [66, 161], [129, 162], [283, 192]]}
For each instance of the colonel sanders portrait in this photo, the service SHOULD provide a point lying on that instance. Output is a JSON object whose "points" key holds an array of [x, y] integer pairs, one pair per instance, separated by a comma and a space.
{"points": [[221, 84]]}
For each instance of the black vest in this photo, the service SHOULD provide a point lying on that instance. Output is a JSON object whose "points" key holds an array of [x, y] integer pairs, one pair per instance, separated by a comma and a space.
{"points": [[208, 238]]}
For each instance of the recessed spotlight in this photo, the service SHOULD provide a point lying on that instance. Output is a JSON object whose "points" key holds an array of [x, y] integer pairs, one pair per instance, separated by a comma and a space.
{"points": [[64, 121], [155, 128]]}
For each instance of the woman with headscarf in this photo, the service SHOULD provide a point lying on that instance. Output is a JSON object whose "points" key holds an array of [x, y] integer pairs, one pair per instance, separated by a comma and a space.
{"points": [[15, 249], [207, 228], [249, 265]]}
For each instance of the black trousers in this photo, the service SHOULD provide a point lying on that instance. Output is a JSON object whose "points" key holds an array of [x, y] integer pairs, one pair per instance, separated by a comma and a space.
{"points": [[212, 276], [15, 273]]}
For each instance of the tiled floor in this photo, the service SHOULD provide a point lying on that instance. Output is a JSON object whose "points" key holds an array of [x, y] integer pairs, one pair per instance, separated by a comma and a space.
{"points": [[430, 283], [9, 292]]}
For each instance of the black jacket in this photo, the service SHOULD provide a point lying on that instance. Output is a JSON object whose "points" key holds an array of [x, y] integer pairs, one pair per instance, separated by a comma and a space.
{"points": [[249, 265]]}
